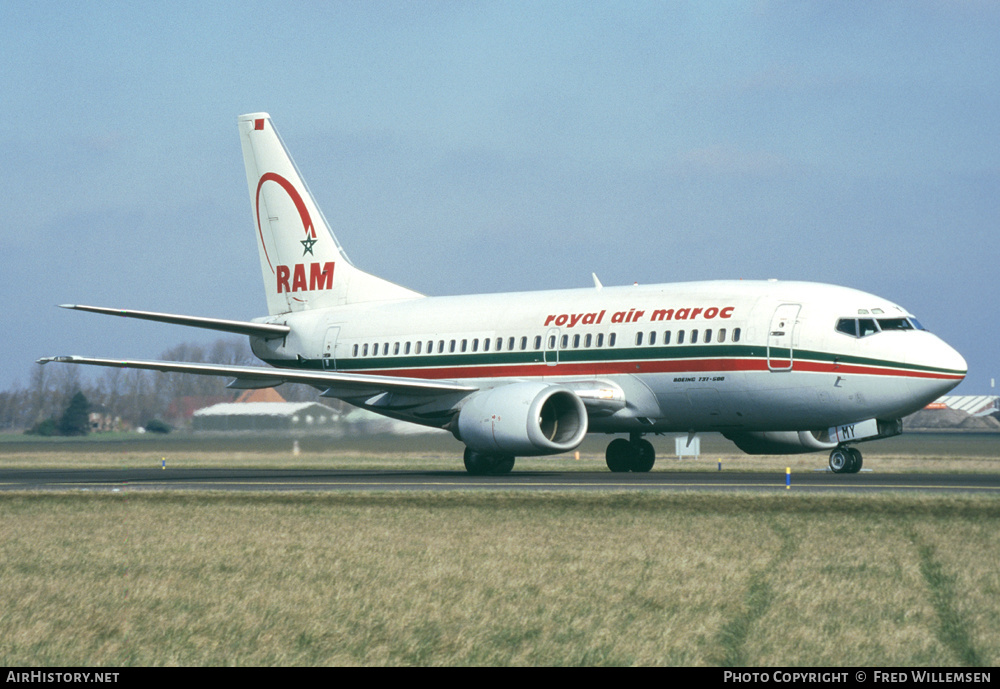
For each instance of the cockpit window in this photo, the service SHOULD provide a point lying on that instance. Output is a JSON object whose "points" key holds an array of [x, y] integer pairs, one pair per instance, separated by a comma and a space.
{"points": [[866, 326], [848, 326], [894, 324], [863, 327]]}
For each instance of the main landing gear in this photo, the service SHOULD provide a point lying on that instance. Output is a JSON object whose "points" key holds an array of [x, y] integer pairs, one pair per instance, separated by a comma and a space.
{"points": [[634, 454], [845, 460], [482, 464]]}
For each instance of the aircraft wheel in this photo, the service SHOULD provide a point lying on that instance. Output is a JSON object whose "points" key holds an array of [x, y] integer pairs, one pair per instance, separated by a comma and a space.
{"points": [[476, 463], [483, 464], [619, 455], [503, 465], [643, 456], [856, 460], [841, 460]]}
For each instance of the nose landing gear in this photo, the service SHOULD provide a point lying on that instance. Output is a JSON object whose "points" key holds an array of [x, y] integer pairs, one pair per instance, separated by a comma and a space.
{"points": [[845, 460]]}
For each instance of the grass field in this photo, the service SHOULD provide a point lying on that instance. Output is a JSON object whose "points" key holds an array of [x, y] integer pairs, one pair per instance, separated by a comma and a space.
{"points": [[918, 452], [498, 579], [492, 578]]}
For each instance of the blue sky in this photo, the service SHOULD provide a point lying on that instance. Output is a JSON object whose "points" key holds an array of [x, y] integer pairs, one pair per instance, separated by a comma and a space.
{"points": [[477, 147]]}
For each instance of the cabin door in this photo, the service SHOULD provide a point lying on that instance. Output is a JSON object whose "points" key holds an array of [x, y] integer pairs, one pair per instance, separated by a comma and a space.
{"points": [[781, 337], [330, 348]]}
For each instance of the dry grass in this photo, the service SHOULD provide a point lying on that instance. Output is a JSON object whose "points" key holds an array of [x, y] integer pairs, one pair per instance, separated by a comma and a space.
{"points": [[941, 452], [498, 579]]}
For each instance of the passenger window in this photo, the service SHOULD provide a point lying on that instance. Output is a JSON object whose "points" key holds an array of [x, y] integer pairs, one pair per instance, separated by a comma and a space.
{"points": [[524, 343], [364, 350], [652, 338], [375, 349], [600, 339], [680, 337], [552, 342], [611, 339], [538, 341], [587, 340], [510, 344], [354, 352], [736, 334], [385, 349], [565, 342], [708, 336], [722, 334], [576, 342], [638, 339], [418, 346], [666, 337], [451, 347], [395, 348], [486, 344], [694, 336]]}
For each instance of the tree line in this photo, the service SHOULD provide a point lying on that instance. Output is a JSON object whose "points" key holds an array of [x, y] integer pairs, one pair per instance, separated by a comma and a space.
{"points": [[130, 396]]}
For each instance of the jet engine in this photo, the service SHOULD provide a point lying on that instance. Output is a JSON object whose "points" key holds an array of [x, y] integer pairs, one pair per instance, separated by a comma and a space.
{"points": [[529, 418], [781, 442]]}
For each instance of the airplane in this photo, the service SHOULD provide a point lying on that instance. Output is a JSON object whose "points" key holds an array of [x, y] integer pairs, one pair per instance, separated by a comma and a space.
{"points": [[775, 366]]}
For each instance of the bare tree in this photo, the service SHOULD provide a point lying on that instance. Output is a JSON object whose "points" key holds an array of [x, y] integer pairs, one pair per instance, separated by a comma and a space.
{"points": [[133, 395]]}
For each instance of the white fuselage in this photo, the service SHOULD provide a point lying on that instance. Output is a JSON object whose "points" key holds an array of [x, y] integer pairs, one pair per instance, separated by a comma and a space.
{"points": [[725, 356]]}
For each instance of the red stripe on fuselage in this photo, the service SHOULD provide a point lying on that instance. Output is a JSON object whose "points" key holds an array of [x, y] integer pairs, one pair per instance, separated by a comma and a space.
{"points": [[643, 366]]}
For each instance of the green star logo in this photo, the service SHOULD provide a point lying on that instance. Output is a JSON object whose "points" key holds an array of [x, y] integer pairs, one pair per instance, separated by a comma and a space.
{"points": [[308, 244]]}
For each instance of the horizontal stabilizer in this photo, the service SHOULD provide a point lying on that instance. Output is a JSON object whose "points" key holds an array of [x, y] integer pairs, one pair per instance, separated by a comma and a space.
{"points": [[256, 376], [265, 330]]}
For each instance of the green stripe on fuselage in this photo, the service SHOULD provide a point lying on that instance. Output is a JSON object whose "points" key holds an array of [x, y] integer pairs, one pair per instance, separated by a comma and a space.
{"points": [[596, 356]]}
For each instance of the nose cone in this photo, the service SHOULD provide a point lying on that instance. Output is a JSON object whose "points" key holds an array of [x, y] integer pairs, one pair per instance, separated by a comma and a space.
{"points": [[955, 361], [940, 362]]}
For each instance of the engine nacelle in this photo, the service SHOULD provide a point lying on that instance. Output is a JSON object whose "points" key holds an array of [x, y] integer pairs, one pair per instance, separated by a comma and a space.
{"points": [[781, 442], [527, 418]]}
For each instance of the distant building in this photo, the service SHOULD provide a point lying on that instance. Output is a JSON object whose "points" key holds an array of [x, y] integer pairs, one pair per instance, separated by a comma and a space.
{"points": [[957, 413], [973, 405], [265, 416], [266, 410], [181, 410], [101, 420]]}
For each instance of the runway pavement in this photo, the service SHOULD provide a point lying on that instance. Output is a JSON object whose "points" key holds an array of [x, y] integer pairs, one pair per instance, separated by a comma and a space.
{"points": [[226, 479]]}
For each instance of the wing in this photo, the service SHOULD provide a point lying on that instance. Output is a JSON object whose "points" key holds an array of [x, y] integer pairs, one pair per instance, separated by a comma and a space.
{"points": [[333, 383]]}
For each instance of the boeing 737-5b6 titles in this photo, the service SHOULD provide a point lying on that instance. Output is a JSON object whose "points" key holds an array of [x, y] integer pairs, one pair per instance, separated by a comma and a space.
{"points": [[776, 367]]}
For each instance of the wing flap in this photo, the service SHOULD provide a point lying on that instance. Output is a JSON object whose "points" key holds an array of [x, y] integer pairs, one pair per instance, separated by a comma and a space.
{"points": [[346, 384]]}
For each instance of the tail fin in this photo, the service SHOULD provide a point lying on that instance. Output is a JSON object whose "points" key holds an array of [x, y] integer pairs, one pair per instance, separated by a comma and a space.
{"points": [[304, 266]]}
